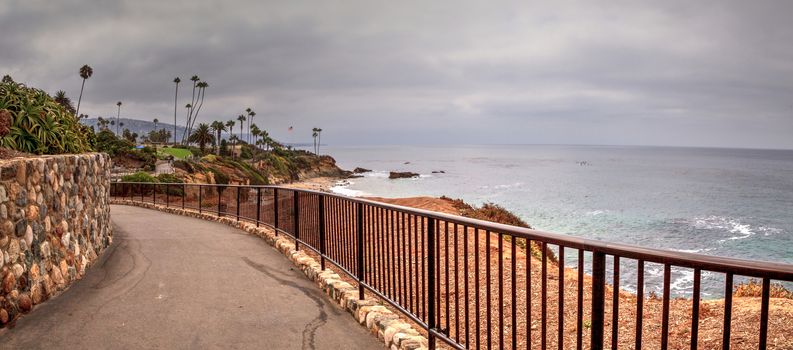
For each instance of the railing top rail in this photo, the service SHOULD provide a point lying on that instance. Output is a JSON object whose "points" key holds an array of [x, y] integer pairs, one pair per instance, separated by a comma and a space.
{"points": [[751, 268]]}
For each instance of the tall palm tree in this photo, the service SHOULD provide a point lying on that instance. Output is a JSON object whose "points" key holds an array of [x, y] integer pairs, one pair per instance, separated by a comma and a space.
{"points": [[254, 131], [195, 79], [188, 107], [155, 123], [251, 114], [176, 80], [265, 139], [85, 72], [319, 139], [230, 126], [218, 127], [241, 118], [202, 136], [118, 116], [314, 134], [202, 86]]}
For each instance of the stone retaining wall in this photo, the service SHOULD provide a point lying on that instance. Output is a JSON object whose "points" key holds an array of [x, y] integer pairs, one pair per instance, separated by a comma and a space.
{"points": [[395, 333], [54, 221]]}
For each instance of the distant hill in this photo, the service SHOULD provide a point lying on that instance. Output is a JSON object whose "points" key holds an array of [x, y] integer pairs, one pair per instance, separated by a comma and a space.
{"points": [[142, 127]]}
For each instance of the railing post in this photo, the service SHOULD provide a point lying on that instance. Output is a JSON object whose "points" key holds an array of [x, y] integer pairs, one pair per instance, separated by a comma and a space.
{"points": [[296, 218], [154, 193], [322, 232], [360, 251], [598, 298], [184, 194], [431, 281], [167, 195], [199, 198], [220, 198], [258, 205], [275, 210], [238, 203]]}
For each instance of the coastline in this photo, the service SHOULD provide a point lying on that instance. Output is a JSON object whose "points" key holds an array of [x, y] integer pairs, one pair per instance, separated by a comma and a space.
{"points": [[745, 310]]}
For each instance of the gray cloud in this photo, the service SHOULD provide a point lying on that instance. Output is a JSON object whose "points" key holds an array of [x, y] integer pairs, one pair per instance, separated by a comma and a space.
{"points": [[677, 73]]}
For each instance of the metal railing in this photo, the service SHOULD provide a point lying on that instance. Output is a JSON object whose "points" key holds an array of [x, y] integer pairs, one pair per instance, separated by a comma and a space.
{"points": [[469, 283]]}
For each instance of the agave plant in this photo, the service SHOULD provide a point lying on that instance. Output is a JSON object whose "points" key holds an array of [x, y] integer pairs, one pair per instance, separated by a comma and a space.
{"points": [[40, 124]]}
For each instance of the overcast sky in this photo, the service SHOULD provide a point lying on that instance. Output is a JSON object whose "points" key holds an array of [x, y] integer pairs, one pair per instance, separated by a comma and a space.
{"points": [[696, 73]]}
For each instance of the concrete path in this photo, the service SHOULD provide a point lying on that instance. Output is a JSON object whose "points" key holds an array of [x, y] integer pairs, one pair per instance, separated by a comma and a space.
{"points": [[163, 167], [172, 282]]}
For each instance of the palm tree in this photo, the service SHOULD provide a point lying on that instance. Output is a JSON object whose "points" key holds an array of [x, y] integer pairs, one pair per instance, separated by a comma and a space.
{"points": [[254, 131], [155, 123], [314, 134], [218, 127], [202, 136], [265, 139], [85, 72], [319, 139], [251, 114], [202, 86], [118, 116], [195, 80], [189, 107], [63, 100], [241, 118], [176, 80], [230, 126]]}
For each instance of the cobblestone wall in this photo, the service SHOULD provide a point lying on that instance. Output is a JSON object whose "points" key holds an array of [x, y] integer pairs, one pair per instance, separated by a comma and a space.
{"points": [[54, 221]]}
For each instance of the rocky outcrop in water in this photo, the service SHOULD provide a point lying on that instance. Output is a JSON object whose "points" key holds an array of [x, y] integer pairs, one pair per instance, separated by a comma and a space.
{"points": [[402, 175]]}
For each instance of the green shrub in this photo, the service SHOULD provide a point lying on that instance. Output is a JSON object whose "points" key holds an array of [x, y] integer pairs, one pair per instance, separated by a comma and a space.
{"points": [[170, 179], [106, 141], [139, 177], [40, 125]]}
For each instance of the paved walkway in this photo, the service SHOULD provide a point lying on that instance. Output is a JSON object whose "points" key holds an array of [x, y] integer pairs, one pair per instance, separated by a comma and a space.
{"points": [[173, 282]]}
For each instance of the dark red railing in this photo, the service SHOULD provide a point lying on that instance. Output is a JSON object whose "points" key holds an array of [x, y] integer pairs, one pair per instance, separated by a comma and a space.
{"points": [[469, 283]]}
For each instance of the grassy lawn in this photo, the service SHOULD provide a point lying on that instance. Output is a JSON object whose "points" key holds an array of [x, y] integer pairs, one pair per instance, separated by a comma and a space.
{"points": [[178, 153]]}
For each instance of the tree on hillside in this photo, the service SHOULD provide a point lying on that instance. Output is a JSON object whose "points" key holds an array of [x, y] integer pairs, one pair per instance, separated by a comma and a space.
{"points": [[129, 136], [319, 139], [85, 72], [176, 81], [241, 119], [254, 131], [159, 136], [218, 127], [202, 87], [195, 79], [314, 134], [189, 108], [202, 136], [118, 116], [155, 123], [251, 114], [7, 79], [230, 126], [63, 100], [265, 139]]}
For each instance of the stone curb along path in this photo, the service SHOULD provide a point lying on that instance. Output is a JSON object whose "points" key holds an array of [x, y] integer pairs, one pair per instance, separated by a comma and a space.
{"points": [[395, 333]]}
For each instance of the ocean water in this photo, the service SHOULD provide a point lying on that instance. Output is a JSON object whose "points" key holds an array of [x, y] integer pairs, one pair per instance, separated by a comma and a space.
{"points": [[726, 202]]}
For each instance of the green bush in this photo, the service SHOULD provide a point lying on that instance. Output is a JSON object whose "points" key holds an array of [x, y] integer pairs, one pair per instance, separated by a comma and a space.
{"points": [[40, 125], [170, 179], [139, 177], [106, 141]]}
